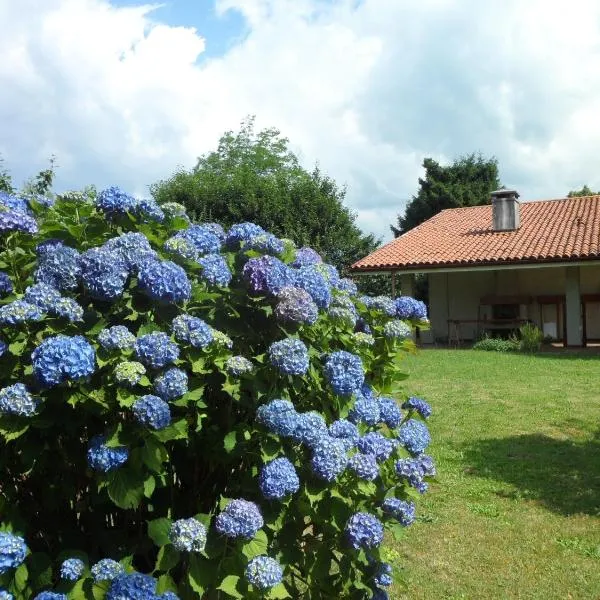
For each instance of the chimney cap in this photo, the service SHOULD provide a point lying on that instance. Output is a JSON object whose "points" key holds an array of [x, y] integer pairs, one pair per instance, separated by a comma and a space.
{"points": [[504, 193]]}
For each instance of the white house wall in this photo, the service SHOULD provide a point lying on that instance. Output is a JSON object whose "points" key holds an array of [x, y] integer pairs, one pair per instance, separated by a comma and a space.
{"points": [[457, 295]]}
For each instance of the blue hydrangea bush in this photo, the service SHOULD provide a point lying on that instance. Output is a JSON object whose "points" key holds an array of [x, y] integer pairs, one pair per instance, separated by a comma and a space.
{"points": [[188, 412]]}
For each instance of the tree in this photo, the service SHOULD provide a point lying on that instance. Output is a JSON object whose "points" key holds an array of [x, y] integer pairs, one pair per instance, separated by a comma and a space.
{"points": [[468, 181], [5, 179], [584, 191], [254, 176]]}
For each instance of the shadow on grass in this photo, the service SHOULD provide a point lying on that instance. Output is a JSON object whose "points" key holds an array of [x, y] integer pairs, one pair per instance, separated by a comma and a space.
{"points": [[561, 474]]}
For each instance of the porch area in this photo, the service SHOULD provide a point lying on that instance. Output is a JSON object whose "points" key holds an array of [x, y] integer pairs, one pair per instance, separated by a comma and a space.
{"points": [[464, 304]]}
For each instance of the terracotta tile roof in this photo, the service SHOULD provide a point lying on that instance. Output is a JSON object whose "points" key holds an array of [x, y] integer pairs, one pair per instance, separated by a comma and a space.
{"points": [[551, 230]]}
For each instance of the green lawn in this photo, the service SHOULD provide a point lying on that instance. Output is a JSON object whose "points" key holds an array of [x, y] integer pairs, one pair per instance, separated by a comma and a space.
{"points": [[516, 512]]}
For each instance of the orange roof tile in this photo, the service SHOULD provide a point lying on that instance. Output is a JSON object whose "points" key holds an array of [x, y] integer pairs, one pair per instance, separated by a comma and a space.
{"points": [[551, 230]]}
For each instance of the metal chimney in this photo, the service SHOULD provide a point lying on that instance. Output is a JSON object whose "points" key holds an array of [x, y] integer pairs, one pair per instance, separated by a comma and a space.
{"points": [[506, 214]]}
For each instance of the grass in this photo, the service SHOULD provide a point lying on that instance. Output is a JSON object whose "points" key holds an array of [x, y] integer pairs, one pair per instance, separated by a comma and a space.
{"points": [[516, 510]]}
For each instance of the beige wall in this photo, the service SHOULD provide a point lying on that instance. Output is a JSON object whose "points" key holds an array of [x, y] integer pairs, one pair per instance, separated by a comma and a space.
{"points": [[457, 295]]}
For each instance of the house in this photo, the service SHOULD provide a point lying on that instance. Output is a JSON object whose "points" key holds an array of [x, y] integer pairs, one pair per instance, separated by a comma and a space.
{"points": [[491, 268]]}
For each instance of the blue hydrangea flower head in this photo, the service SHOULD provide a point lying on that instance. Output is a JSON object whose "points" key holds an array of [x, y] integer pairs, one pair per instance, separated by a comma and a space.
{"points": [[171, 384], [117, 337], [104, 273], [112, 201], [365, 410], [181, 247], [414, 436], [418, 405], [204, 240], [390, 413], [6, 286], [18, 312], [215, 270], [377, 444], [306, 257], [344, 372], [290, 356], [220, 339], [346, 285], [313, 282], [4, 595], [426, 465], [264, 572], [12, 551], [279, 416], [3, 347], [409, 308], [72, 569], [364, 530], [365, 466], [404, 512], [147, 209], [102, 458], [69, 309], [16, 400], [133, 586], [188, 535], [265, 242], [329, 459], [346, 432], [343, 301], [192, 330], [278, 479], [242, 232], [383, 304], [266, 275], [310, 428], [128, 373], [397, 330], [156, 350], [62, 358], [134, 248], [12, 202], [383, 574], [238, 365], [168, 596], [107, 569], [295, 305], [12, 220], [331, 274], [164, 281], [50, 596], [152, 411], [414, 470], [58, 265], [215, 228], [239, 519], [363, 327]]}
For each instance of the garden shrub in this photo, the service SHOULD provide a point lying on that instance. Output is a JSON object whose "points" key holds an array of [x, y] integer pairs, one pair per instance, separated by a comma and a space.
{"points": [[187, 412], [530, 338], [491, 344]]}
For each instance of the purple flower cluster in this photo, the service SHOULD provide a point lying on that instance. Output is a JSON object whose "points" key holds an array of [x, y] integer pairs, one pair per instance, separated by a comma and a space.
{"points": [[264, 572], [104, 273], [204, 239], [414, 470], [215, 270], [402, 511], [117, 337], [295, 305], [242, 232], [6, 286], [279, 416], [152, 412], [346, 432], [192, 330], [329, 459], [313, 281], [419, 405], [305, 257], [389, 412], [188, 535], [377, 444], [266, 275], [134, 248], [365, 466], [12, 220], [58, 266], [18, 312], [171, 384], [16, 400]]}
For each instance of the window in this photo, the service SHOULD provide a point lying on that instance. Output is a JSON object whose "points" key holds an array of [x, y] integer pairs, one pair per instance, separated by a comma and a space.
{"points": [[505, 311]]}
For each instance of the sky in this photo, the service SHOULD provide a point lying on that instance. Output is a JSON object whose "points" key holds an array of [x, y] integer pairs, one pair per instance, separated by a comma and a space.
{"points": [[125, 92]]}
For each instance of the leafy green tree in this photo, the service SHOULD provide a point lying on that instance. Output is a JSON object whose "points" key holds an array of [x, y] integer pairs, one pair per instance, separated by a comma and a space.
{"points": [[468, 181], [5, 179], [584, 191], [254, 176]]}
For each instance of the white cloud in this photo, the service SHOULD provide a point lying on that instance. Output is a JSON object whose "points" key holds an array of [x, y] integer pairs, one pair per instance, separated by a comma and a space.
{"points": [[367, 88]]}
